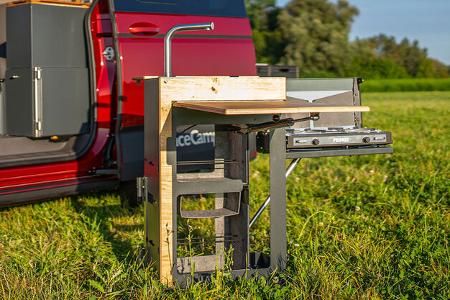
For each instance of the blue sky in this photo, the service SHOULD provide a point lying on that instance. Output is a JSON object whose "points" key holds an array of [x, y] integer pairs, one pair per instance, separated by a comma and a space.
{"points": [[427, 21]]}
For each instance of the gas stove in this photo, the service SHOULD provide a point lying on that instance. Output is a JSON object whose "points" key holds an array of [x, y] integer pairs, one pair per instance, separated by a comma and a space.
{"points": [[336, 137]]}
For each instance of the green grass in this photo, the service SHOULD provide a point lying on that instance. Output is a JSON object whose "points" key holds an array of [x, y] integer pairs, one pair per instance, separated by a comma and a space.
{"points": [[361, 227], [406, 85]]}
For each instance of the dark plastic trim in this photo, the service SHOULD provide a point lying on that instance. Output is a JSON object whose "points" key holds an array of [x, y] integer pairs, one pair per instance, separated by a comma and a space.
{"points": [[233, 8], [21, 198], [119, 87]]}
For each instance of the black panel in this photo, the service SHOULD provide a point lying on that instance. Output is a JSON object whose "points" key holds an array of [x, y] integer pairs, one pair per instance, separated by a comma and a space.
{"points": [[219, 8], [194, 144], [3, 50], [132, 140]]}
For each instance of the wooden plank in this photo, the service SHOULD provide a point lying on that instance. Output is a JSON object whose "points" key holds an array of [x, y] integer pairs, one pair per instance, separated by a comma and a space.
{"points": [[231, 108], [77, 3], [167, 232], [223, 88]]}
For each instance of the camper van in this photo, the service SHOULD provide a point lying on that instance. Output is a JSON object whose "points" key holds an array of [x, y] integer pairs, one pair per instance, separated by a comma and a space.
{"points": [[71, 113]]}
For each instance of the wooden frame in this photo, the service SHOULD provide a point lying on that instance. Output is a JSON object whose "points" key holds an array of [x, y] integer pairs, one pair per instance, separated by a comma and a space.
{"points": [[160, 93], [205, 94]]}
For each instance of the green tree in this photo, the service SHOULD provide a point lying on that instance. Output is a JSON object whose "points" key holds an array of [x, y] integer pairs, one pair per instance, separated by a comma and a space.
{"points": [[263, 16], [315, 35], [401, 59]]}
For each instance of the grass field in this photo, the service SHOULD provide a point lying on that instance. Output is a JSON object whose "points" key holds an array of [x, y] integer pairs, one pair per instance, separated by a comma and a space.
{"points": [[407, 85], [361, 227]]}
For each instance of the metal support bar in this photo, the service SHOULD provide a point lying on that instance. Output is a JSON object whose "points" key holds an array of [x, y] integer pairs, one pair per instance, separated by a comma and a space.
{"points": [[331, 152], [278, 237], [266, 203]]}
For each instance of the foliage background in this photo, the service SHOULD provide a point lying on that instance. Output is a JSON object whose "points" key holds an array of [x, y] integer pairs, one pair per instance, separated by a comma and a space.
{"points": [[314, 35]]}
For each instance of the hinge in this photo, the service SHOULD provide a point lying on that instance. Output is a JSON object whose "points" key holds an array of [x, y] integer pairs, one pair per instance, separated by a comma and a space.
{"points": [[37, 73], [38, 127], [142, 189]]}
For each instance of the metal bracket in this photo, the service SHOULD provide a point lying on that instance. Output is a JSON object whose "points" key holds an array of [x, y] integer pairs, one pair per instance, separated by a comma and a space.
{"points": [[278, 123], [142, 186]]}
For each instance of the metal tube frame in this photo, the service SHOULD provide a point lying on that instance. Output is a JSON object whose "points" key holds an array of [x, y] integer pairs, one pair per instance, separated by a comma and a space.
{"points": [[168, 42]]}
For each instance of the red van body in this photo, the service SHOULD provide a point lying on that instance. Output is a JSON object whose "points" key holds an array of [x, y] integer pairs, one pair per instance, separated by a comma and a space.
{"points": [[133, 31]]}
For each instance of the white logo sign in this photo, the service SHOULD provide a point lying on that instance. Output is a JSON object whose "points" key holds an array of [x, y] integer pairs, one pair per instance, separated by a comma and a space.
{"points": [[341, 140], [195, 138]]}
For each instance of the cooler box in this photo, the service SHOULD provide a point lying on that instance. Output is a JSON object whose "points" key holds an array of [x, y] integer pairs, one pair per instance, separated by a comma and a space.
{"points": [[47, 80]]}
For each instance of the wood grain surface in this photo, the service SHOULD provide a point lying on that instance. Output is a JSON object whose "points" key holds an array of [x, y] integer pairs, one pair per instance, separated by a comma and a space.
{"points": [[265, 107]]}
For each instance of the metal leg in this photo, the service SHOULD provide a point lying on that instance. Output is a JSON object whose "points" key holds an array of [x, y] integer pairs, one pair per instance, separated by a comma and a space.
{"points": [[266, 203], [278, 241]]}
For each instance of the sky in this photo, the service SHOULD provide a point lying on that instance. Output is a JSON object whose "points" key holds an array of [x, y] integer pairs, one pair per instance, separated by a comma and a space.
{"points": [[427, 21]]}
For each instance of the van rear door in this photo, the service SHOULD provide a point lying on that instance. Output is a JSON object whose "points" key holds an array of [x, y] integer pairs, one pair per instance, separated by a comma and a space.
{"points": [[141, 26]]}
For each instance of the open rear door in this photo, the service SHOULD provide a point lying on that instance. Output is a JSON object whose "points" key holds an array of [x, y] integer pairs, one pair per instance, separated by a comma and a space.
{"points": [[139, 41]]}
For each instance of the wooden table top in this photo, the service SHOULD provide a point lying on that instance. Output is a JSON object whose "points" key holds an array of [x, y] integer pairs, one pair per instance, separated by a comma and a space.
{"points": [[233, 108]]}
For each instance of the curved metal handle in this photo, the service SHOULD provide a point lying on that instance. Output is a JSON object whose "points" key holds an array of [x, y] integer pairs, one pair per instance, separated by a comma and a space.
{"points": [[168, 42], [144, 29], [14, 77]]}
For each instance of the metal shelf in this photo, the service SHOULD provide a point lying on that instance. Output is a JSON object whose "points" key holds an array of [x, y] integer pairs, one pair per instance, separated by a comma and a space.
{"points": [[208, 186], [323, 152]]}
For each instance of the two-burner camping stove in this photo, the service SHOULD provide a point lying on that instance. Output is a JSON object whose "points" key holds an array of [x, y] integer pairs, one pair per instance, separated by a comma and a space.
{"points": [[319, 118]]}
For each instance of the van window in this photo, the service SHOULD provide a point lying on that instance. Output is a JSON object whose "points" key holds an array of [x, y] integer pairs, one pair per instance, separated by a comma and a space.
{"points": [[219, 8]]}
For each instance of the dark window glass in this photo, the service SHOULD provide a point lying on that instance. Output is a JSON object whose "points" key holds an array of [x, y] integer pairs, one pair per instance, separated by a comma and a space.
{"points": [[225, 8]]}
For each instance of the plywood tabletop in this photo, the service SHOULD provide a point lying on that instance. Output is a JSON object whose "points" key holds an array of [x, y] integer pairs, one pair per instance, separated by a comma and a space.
{"points": [[233, 108]]}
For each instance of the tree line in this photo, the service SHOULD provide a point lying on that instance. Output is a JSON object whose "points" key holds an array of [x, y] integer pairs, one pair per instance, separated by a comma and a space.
{"points": [[315, 36]]}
